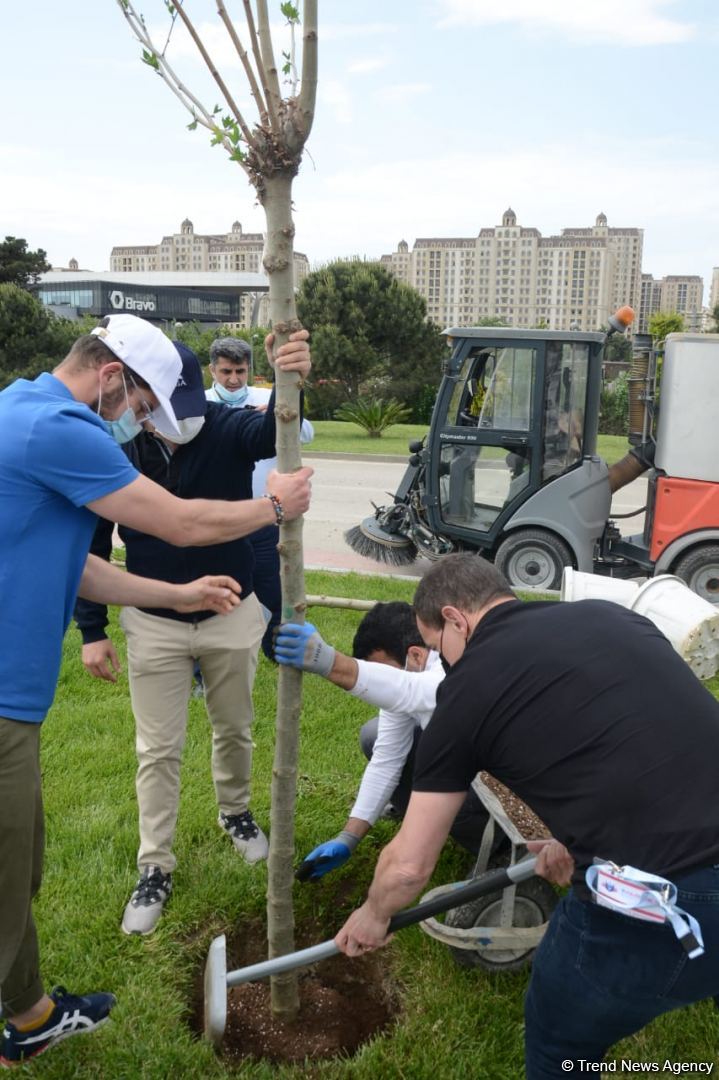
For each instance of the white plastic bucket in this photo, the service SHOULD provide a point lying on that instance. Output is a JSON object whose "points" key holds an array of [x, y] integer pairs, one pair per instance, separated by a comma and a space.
{"points": [[690, 623], [579, 586]]}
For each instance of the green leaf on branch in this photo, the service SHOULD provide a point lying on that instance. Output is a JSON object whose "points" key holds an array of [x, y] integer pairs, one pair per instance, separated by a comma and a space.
{"points": [[287, 66], [150, 59], [217, 137], [217, 109], [238, 155], [170, 7], [290, 12], [231, 129], [193, 125]]}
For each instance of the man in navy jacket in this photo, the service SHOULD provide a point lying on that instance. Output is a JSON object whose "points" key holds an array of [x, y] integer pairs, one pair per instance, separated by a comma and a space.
{"points": [[212, 458]]}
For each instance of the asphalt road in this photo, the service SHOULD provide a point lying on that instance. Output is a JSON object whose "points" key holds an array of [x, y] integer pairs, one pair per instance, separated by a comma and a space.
{"points": [[343, 492]]}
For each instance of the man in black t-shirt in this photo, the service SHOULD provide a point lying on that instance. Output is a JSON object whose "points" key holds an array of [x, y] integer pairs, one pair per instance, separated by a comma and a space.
{"points": [[587, 713]]}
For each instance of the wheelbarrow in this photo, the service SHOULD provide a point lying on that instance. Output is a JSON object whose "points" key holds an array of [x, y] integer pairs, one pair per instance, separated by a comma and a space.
{"points": [[218, 979], [497, 930]]}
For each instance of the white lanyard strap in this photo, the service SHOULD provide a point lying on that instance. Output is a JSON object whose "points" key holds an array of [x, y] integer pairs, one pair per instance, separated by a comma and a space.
{"points": [[644, 896]]}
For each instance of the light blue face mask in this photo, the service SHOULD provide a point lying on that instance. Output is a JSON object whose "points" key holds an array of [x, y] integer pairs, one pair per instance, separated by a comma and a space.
{"points": [[231, 397], [125, 427]]}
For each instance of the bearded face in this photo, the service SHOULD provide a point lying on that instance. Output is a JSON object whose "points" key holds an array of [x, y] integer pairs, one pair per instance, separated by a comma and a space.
{"points": [[110, 403]]}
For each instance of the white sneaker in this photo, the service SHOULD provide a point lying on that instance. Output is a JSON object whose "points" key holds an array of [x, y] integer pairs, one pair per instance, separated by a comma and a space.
{"points": [[144, 907], [246, 835]]}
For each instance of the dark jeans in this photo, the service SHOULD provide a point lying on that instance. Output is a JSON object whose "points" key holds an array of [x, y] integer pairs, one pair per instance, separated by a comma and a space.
{"points": [[598, 976], [267, 580], [471, 819], [22, 841]]}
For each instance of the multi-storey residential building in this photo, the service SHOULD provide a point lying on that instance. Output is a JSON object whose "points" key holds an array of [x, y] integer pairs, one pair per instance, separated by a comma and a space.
{"points": [[191, 252], [576, 279], [649, 303], [683, 293], [625, 245]]}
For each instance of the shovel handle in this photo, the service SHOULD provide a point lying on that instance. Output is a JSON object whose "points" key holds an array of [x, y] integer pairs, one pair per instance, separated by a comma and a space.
{"points": [[461, 894], [492, 881]]}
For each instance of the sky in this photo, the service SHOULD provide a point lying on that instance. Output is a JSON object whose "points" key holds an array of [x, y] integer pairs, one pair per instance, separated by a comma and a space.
{"points": [[433, 116]]}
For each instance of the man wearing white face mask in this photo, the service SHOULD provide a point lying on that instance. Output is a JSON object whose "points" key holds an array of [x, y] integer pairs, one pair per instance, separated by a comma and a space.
{"points": [[230, 364], [211, 456]]}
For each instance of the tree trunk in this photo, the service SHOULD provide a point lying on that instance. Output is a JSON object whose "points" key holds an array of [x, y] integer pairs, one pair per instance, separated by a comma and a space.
{"points": [[278, 262]]}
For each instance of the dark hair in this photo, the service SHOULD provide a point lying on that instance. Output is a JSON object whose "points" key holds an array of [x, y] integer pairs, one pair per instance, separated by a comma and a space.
{"points": [[235, 349], [465, 581], [90, 351], [391, 627]]}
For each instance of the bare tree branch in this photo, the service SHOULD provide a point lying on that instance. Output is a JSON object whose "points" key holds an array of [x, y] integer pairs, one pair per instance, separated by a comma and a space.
{"points": [[246, 133], [271, 99], [245, 60], [308, 89], [268, 56], [293, 58], [194, 106], [173, 19]]}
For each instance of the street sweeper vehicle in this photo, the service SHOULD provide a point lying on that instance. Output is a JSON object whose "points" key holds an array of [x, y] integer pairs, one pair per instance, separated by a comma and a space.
{"points": [[509, 467]]}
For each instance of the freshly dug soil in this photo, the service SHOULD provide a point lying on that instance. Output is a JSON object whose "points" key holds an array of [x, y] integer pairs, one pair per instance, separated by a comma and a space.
{"points": [[340, 1010], [518, 812], [343, 1004]]}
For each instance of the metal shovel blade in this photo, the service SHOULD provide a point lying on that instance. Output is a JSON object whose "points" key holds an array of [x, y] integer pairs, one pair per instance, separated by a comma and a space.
{"points": [[216, 991], [217, 978]]}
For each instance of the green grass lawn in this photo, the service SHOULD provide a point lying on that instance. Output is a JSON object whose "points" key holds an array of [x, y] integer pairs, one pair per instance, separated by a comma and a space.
{"points": [[454, 1024], [334, 436]]}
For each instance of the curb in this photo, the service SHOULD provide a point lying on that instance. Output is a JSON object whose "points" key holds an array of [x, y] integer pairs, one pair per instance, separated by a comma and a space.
{"points": [[331, 455]]}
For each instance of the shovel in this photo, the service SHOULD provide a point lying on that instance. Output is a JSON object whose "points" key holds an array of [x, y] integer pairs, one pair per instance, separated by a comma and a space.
{"points": [[218, 978]]}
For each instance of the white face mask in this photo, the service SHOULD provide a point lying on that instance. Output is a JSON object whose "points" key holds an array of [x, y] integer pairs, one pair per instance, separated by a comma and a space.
{"points": [[189, 428]]}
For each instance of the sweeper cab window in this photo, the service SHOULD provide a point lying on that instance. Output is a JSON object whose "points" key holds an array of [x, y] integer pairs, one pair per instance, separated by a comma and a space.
{"points": [[515, 421], [497, 390]]}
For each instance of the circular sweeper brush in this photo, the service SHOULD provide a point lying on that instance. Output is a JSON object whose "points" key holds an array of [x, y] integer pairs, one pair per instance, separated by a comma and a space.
{"points": [[373, 542]]}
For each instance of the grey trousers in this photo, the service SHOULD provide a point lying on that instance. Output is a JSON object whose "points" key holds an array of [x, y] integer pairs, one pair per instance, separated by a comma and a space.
{"points": [[22, 843], [161, 654]]}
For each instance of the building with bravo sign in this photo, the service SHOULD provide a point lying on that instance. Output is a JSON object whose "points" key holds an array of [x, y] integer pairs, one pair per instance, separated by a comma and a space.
{"points": [[202, 253], [163, 298]]}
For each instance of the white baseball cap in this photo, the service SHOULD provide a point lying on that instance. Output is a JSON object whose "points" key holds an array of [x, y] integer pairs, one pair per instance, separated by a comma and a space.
{"points": [[146, 350]]}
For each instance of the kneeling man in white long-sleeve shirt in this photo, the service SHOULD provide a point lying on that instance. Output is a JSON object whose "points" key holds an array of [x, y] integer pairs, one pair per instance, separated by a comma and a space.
{"points": [[392, 669]]}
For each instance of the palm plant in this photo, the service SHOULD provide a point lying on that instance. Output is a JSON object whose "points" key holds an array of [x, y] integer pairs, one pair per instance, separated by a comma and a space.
{"points": [[374, 415]]}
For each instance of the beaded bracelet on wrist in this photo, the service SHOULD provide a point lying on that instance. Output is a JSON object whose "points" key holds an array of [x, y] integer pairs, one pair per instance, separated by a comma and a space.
{"points": [[279, 512]]}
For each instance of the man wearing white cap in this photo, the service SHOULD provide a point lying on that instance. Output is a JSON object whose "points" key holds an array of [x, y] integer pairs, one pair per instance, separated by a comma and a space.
{"points": [[58, 469]]}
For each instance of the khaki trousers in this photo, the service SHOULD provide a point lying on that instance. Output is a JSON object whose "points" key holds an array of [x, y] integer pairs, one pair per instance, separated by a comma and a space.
{"points": [[22, 842], [161, 654]]}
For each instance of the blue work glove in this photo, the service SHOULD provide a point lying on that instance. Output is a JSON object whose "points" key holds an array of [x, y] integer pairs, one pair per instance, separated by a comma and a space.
{"points": [[300, 645], [328, 856]]}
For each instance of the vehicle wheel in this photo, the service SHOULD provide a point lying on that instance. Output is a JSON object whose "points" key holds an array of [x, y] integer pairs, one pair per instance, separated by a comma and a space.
{"points": [[700, 569], [534, 558], [534, 902]]}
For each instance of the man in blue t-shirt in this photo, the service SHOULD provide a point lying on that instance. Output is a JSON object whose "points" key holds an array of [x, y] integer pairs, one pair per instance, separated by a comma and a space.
{"points": [[59, 468]]}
